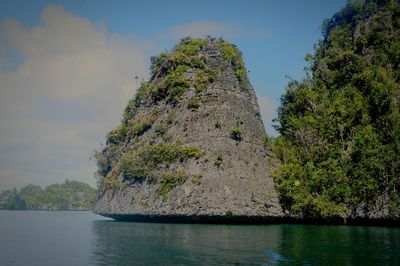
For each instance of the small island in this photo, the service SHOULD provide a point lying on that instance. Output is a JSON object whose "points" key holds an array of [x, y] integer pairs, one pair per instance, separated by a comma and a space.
{"points": [[192, 145], [71, 195]]}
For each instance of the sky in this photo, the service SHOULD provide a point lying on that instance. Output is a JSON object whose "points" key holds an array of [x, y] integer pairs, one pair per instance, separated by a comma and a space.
{"points": [[67, 68]]}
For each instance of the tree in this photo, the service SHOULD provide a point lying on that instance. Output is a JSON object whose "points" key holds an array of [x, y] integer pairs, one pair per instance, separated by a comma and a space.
{"points": [[340, 129]]}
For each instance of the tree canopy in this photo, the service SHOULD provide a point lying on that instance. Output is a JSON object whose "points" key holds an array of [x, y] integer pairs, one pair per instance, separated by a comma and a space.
{"points": [[339, 129], [71, 195]]}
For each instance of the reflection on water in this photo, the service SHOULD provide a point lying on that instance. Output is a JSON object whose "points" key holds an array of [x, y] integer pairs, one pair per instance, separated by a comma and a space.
{"points": [[81, 238], [341, 245], [120, 243]]}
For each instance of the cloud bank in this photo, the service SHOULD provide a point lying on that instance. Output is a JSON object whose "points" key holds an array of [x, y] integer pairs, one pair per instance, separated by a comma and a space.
{"points": [[69, 89]]}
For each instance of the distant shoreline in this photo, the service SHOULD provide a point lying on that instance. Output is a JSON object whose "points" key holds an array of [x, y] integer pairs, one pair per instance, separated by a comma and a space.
{"points": [[70, 195]]}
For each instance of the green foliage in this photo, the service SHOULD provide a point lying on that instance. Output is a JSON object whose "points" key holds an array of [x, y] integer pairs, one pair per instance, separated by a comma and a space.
{"points": [[218, 159], [139, 166], [236, 134], [170, 69], [229, 213], [204, 78], [11, 200], [32, 195], [160, 129], [167, 153], [71, 195], [132, 168], [187, 152], [266, 141], [144, 125], [339, 140], [103, 166], [176, 92], [193, 104], [157, 63], [217, 124], [173, 86], [169, 181], [118, 135], [234, 57], [170, 119], [134, 103]]}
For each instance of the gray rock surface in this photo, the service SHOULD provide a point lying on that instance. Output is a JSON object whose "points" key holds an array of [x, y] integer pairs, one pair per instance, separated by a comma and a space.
{"points": [[240, 186]]}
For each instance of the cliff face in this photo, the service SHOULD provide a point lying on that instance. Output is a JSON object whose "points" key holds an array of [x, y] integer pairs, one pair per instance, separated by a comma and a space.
{"points": [[191, 143]]}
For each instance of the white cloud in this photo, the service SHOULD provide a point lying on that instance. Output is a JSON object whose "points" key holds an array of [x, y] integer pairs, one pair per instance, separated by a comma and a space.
{"points": [[216, 29], [71, 86], [268, 112]]}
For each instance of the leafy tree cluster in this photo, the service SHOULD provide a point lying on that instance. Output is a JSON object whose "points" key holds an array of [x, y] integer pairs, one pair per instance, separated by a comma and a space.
{"points": [[339, 129], [71, 195]]}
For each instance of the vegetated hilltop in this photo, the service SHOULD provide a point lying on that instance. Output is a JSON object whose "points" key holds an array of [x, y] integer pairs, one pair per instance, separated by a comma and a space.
{"points": [[340, 129], [71, 195], [191, 142]]}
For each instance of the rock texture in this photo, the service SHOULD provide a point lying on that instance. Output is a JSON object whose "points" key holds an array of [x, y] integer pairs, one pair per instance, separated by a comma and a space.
{"points": [[192, 142]]}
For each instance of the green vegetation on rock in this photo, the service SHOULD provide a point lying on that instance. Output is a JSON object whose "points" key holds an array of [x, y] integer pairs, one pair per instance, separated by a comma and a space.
{"points": [[143, 125], [234, 57], [236, 134], [167, 153], [218, 159], [118, 135], [71, 195], [340, 129], [141, 165], [169, 181], [193, 104], [133, 168], [160, 129], [134, 103], [171, 71]]}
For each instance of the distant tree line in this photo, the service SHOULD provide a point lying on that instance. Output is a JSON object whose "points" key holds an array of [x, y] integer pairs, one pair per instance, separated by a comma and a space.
{"points": [[71, 195]]}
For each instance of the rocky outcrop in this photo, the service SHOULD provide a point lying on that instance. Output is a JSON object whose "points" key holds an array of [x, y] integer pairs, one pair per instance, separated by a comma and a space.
{"points": [[192, 143]]}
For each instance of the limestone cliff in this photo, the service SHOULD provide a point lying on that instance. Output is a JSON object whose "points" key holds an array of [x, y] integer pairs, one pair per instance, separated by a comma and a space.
{"points": [[191, 143]]}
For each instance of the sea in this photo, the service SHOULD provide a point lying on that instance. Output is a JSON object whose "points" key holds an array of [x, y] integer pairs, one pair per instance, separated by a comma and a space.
{"points": [[84, 238]]}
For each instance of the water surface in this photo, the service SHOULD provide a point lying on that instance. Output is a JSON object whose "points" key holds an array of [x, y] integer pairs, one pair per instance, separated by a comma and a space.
{"points": [[83, 238]]}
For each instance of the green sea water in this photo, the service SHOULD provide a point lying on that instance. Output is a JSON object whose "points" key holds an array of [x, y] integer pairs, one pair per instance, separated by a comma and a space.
{"points": [[83, 238]]}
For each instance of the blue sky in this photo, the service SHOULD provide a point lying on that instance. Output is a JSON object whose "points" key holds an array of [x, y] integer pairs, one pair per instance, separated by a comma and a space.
{"points": [[67, 68]]}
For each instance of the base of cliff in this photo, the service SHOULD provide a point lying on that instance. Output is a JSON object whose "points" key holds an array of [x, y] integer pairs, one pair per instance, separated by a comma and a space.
{"points": [[197, 219], [254, 220]]}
